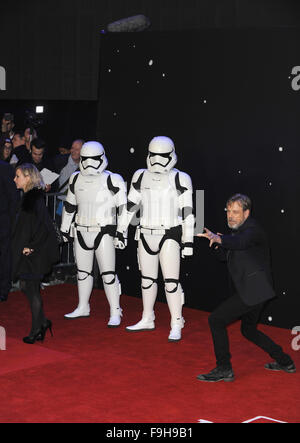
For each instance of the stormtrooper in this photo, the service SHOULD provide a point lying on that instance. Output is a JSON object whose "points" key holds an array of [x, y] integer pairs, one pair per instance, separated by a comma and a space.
{"points": [[165, 231], [94, 201]]}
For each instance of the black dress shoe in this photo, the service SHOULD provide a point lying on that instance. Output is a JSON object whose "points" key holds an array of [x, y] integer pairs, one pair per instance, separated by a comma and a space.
{"points": [[218, 374], [277, 367], [44, 328]]}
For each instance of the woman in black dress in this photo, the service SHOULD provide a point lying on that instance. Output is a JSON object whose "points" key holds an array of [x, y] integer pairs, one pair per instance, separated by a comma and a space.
{"points": [[34, 246]]}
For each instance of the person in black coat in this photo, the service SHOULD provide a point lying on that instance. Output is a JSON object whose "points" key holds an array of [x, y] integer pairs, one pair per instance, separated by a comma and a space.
{"points": [[247, 254], [34, 246], [8, 201]]}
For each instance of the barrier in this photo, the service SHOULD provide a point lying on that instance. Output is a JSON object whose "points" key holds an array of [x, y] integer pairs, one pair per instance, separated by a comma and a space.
{"points": [[66, 250]]}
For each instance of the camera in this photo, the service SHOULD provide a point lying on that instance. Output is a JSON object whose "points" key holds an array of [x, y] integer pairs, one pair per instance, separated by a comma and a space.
{"points": [[32, 120], [8, 117]]}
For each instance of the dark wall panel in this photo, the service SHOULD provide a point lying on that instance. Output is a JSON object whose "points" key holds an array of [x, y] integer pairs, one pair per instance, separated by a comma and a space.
{"points": [[226, 99], [50, 49]]}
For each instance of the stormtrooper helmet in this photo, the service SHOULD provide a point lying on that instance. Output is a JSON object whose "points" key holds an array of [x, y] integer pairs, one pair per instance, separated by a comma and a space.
{"points": [[161, 157], [92, 159]]}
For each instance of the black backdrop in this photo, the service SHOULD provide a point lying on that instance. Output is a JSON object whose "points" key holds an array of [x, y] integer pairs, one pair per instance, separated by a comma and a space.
{"points": [[50, 49], [226, 98]]}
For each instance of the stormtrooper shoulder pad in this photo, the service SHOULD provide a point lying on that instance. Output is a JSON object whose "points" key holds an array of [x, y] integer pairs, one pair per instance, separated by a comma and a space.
{"points": [[183, 182]]}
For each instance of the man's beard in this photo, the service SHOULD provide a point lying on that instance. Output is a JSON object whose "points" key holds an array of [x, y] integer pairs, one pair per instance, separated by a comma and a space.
{"points": [[235, 226]]}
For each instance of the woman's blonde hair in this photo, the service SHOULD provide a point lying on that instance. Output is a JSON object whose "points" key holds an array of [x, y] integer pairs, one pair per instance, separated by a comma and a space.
{"points": [[36, 180]]}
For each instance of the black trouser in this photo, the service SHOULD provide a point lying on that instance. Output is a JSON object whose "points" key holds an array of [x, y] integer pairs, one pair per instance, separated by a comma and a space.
{"points": [[31, 288], [229, 311]]}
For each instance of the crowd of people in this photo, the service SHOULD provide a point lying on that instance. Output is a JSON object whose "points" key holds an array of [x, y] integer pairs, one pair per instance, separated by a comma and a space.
{"points": [[19, 146]]}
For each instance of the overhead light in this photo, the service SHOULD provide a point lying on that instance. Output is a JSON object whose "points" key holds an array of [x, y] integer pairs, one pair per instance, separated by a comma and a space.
{"points": [[137, 23]]}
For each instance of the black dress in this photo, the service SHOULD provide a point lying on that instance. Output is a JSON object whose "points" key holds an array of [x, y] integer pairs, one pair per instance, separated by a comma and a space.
{"points": [[33, 229]]}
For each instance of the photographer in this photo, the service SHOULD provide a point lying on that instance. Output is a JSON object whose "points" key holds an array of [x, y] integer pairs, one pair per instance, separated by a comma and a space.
{"points": [[6, 150], [30, 134], [40, 159], [7, 126], [20, 151]]}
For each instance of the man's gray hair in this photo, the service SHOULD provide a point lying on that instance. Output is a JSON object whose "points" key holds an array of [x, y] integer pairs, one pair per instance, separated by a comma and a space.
{"points": [[242, 199]]}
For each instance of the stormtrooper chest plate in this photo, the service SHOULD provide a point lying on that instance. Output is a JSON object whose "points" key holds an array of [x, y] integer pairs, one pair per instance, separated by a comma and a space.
{"points": [[94, 200], [159, 201]]}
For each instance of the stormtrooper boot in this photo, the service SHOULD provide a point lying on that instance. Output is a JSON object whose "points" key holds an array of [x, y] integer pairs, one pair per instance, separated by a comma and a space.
{"points": [[84, 290], [115, 319], [175, 303], [175, 334], [147, 321], [80, 311], [146, 324], [113, 293]]}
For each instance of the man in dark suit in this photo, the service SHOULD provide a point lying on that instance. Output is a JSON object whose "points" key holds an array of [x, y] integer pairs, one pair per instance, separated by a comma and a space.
{"points": [[8, 199], [248, 259]]}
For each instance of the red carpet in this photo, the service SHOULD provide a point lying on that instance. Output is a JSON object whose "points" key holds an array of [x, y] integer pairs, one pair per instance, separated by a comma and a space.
{"points": [[90, 373]]}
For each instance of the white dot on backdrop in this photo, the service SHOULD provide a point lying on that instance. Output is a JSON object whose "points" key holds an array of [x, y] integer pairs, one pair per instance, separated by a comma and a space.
{"points": [[283, 293], [282, 211], [204, 101], [128, 268], [138, 82], [163, 74], [270, 183], [239, 171], [115, 114], [131, 150], [109, 70], [150, 62], [280, 148], [270, 318]]}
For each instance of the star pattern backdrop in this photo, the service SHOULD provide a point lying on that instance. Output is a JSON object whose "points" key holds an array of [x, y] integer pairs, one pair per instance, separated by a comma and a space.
{"points": [[228, 100]]}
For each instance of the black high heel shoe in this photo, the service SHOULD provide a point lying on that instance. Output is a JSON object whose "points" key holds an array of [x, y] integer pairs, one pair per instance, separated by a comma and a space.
{"points": [[33, 337], [44, 328]]}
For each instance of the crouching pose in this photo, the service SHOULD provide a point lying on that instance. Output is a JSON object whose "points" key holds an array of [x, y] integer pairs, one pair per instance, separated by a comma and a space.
{"points": [[95, 197], [166, 230]]}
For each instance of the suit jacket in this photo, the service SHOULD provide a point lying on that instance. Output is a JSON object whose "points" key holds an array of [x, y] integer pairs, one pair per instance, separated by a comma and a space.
{"points": [[248, 261]]}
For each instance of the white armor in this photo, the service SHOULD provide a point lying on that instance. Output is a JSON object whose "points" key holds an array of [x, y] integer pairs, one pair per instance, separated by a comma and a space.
{"points": [[166, 227], [95, 197]]}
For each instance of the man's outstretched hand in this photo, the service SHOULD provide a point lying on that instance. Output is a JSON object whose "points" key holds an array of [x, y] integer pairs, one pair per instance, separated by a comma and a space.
{"points": [[213, 238]]}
